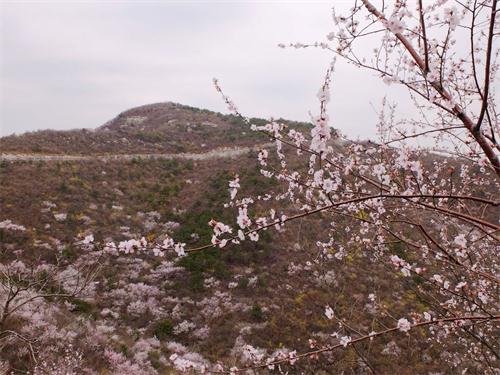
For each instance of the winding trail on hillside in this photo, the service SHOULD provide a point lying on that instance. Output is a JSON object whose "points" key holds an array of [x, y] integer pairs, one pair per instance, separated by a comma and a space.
{"points": [[225, 152]]}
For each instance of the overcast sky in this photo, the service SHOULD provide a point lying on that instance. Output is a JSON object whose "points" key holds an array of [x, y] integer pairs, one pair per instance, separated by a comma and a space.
{"points": [[73, 64]]}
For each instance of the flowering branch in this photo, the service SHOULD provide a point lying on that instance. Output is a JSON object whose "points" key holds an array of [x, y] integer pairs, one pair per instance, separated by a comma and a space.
{"points": [[403, 326]]}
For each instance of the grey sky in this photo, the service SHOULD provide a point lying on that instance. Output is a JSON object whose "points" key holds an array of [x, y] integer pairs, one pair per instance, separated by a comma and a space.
{"points": [[77, 64]]}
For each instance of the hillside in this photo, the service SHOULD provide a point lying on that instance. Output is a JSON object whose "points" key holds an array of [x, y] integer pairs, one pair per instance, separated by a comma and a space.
{"points": [[155, 128], [144, 314]]}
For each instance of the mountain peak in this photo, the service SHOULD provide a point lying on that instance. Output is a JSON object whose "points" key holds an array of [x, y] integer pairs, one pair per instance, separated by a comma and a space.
{"points": [[158, 116]]}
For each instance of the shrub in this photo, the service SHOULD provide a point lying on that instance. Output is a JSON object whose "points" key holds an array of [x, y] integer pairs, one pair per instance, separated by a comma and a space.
{"points": [[256, 313], [163, 329]]}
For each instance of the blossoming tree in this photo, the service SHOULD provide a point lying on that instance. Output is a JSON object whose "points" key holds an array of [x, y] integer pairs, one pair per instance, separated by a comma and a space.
{"points": [[30, 316], [427, 214], [438, 203]]}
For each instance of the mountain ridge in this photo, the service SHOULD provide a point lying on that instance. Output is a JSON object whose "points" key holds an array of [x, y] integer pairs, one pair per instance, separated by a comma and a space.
{"points": [[157, 128]]}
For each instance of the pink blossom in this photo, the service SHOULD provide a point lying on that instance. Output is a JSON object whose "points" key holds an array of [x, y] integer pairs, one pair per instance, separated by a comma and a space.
{"points": [[345, 340], [461, 241], [234, 185], [395, 25], [329, 312], [404, 325]]}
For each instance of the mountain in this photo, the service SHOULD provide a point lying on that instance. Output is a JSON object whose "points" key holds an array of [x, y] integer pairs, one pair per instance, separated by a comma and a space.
{"points": [[154, 128], [144, 314]]}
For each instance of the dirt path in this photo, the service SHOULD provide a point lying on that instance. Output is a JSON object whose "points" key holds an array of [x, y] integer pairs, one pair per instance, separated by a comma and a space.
{"points": [[226, 152]]}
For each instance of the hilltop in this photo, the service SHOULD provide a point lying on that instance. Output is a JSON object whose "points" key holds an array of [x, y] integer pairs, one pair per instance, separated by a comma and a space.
{"points": [[153, 128]]}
